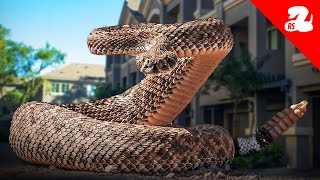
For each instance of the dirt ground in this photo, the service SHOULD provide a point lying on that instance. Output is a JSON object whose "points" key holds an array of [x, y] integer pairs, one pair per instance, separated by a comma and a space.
{"points": [[11, 167]]}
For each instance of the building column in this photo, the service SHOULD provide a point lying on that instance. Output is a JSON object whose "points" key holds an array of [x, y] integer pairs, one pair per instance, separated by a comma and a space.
{"points": [[219, 9], [116, 70], [196, 109], [257, 32]]}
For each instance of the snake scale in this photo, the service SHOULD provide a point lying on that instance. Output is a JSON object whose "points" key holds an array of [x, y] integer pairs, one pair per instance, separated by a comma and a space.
{"points": [[132, 132]]}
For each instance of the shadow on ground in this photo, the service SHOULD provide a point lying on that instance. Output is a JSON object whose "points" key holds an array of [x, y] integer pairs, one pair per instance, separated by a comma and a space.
{"points": [[11, 167]]}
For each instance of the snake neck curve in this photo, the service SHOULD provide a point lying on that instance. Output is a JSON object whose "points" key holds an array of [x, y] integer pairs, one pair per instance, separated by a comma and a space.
{"points": [[156, 100]]}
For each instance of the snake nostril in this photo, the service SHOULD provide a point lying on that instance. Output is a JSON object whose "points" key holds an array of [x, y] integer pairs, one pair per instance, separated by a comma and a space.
{"points": [[155, 68]]}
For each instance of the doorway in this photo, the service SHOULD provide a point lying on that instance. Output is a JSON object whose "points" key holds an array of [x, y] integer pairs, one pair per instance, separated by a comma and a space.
{"points": [[230, 124], [207, 116], [218, 117]]}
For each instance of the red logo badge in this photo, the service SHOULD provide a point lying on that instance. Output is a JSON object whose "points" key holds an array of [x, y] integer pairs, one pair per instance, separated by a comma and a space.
{"points": [[299, 21]]}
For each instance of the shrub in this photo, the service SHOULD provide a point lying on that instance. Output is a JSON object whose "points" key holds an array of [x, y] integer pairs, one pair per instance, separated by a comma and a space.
{"points": [[4, 134], [271, 156]]}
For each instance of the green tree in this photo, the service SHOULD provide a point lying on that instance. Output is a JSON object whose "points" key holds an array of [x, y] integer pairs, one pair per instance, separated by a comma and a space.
{"points": [[22, 64], [6, 59], [240, 76], [106, 90]]}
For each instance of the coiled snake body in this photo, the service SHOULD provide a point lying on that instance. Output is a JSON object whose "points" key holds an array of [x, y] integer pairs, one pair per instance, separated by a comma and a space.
{"points": [[131, 132]]}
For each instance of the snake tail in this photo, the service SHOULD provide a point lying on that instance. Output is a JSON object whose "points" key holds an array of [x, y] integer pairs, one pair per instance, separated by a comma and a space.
{"points": [[271, 130]]}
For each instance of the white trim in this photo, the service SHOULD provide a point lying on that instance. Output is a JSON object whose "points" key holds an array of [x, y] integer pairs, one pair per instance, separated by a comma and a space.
{"points": [[231, 4], [299, 59]]}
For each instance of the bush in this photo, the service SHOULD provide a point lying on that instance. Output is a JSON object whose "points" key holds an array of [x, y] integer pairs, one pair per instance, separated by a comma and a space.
{"points": [[106, 91], [271, 156], [4, 134]]}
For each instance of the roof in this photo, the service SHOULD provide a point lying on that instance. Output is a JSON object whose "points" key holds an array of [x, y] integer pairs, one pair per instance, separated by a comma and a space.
{"points": [[76, 71]]}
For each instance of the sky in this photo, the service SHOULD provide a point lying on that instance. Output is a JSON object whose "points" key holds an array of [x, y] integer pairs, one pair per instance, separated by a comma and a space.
{"points": [[64, 24]]}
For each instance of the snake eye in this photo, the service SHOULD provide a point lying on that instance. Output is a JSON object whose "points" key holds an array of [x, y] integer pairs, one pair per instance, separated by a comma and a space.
{"points": [[172, 60]]}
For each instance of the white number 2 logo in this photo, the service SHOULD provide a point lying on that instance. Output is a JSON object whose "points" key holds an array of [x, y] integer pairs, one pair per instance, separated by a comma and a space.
{"points": [[299, 24]]}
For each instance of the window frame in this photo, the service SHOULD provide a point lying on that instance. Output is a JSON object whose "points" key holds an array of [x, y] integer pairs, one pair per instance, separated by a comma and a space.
{"points": [[65, 87], [55, 88]]}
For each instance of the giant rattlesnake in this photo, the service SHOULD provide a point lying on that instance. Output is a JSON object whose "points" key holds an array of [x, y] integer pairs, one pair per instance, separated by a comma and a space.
{"points": [[131, 132]]}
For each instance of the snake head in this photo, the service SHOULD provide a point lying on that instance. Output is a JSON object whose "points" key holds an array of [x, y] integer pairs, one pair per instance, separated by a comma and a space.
{"points": [[156, 65]]}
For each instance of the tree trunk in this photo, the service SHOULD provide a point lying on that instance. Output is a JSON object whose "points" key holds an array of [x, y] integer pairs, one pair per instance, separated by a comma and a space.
{"points": [[254, 119]]}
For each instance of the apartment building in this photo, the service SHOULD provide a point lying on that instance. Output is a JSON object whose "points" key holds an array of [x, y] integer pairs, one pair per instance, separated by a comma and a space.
{"points": [[289, 76]]}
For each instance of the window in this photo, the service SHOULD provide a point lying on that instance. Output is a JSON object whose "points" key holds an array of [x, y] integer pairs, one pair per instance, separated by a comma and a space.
{"points": [[274, 38], [55, 87], [60, 87], [91, 90], [65, 88]]}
